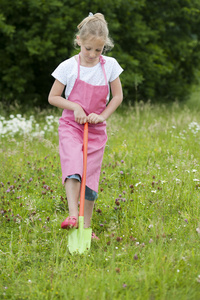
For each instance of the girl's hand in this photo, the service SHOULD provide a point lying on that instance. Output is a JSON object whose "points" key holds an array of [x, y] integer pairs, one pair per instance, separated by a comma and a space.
{"points": [[80, 115], [95, 119]]}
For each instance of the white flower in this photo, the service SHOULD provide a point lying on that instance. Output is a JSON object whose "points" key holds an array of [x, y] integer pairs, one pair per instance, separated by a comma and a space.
{"points": [[198, 230], [138, 183], [178, 180], [196, 179], [194, 171], [151, 225]]}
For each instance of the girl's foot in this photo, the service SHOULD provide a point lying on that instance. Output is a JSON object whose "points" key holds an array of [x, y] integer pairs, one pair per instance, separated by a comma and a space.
{"points": [[70, 222], [95, 237]]}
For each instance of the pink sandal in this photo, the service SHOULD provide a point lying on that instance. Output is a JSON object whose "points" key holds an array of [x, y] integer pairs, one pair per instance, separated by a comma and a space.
{"points": [[94, 236], [70, 222]]}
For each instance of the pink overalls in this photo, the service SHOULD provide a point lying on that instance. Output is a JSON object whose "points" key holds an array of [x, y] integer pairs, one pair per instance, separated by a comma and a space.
{"points": [[93, 100]]}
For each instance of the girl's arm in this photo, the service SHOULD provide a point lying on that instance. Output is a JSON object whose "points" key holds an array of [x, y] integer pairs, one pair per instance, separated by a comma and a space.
{"points": [[57, 100], [117, 97]]}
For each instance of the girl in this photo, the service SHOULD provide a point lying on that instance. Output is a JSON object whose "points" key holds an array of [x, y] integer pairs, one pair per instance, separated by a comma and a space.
{"points": [[87, 77]]}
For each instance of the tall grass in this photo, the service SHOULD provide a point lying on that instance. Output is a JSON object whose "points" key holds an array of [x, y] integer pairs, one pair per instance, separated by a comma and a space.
{"points": [[146, 216]]}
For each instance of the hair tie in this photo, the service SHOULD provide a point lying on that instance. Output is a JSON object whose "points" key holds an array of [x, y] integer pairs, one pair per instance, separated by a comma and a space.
{"points": [[90, 14]]}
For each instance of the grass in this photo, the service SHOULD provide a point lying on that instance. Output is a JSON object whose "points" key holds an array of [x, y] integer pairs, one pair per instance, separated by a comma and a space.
{"points": [[147, 213]]}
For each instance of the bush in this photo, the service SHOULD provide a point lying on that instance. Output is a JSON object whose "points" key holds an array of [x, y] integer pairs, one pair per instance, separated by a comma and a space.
{"points": [[156, 42]]}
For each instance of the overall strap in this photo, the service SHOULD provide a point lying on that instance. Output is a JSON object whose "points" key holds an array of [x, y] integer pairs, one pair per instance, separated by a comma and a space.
{"points": [[102, 61], [78, 76]]}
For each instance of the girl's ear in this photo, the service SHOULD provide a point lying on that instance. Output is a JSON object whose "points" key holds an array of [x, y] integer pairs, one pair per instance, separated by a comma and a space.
{"points": [[78, 40]]}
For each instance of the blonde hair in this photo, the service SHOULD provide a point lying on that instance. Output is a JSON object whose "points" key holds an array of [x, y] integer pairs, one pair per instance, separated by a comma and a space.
{"points": [[94, 25]]}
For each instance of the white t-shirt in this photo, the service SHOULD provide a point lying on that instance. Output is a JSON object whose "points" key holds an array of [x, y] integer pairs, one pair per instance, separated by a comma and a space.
{"points": [[67, 73]]}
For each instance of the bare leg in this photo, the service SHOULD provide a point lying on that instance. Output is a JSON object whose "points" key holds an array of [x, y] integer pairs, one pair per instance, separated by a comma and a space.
{"points": [[88, 209], [72, 187]]}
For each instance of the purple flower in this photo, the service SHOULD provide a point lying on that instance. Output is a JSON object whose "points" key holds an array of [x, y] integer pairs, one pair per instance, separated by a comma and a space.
{"points": [[186, 220], [124, 285], [122, 161], [101, 225], [8, 191], [121, 172]]}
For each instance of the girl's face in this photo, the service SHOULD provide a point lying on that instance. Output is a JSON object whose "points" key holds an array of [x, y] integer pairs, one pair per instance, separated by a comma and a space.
{"points": [[91, 50]]}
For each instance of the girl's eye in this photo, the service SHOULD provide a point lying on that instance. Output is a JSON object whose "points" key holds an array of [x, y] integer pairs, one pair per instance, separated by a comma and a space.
{"points": [[88, 49]]}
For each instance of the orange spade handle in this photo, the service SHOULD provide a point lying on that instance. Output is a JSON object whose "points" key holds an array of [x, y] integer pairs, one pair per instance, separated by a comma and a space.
{"points": [[83, 181]]}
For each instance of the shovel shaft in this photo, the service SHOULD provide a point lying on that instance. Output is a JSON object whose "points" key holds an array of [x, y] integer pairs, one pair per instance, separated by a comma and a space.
{"points": [[83, 181]]}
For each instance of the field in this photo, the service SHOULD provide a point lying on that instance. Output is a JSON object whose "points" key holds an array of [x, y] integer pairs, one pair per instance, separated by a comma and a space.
{"points": [[146, 215]]}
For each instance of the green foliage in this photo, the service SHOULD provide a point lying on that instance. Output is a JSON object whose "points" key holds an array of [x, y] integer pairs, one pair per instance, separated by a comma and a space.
{"points": [[146, 215], [156, 42]]}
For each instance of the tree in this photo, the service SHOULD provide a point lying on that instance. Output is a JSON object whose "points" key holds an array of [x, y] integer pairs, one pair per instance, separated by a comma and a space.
{"points": [[156, 42]]}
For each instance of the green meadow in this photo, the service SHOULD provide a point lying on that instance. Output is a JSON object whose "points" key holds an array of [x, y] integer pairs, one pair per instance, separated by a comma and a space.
{"points": [[147, 215]]}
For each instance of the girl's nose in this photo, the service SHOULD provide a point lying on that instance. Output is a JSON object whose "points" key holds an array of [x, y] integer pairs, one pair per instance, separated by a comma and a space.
{"points": [[92, 54]]}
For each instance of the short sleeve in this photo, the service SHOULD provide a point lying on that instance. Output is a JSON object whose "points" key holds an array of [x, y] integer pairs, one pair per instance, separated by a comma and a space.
{"points": [[60, 73], [115, 69]]}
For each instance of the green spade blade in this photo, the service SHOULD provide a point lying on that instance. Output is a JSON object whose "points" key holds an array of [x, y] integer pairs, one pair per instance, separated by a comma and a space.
{"points": [[79, 240]]}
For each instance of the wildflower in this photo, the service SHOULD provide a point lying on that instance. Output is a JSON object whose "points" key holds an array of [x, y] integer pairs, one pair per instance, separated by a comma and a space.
{"points": [[198, 230], [151, 225], [163, 181], [124, 285], [186, 220], [150, 241], [117, 270], [135, 257], [178, 180]]}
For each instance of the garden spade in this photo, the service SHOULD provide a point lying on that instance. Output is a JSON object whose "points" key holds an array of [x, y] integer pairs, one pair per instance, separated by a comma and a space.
{"points": [[79, 240]]}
